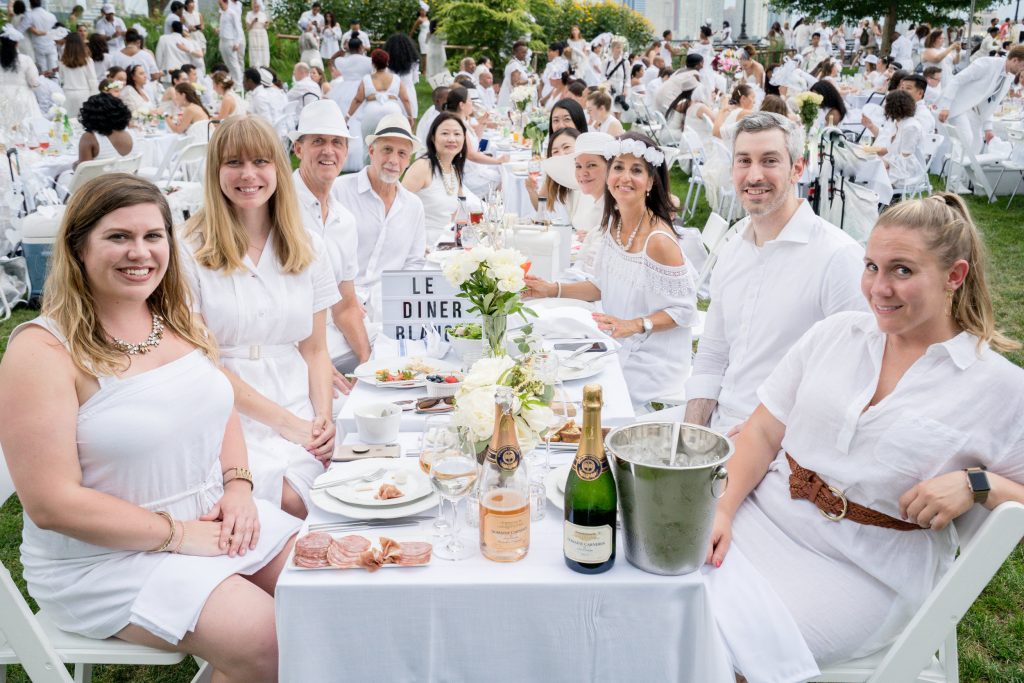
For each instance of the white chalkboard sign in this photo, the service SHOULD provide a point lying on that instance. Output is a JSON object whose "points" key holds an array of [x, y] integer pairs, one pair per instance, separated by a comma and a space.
{"points": [[412, 299]]}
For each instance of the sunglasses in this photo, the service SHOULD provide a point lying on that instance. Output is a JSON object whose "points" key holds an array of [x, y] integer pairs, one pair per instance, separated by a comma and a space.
{"points": [[436, 404]]}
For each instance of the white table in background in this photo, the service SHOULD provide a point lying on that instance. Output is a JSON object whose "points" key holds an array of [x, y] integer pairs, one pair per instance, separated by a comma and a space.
{"points": [[476, 620]]}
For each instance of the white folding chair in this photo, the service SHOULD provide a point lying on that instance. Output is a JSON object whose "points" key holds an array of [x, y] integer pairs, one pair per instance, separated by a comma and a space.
{"points": [[87, 170], [439, 79], [1015, 163], [42, 649], [962, 155], [986, 540], [190, 164], [714, 236], [918, 185]]}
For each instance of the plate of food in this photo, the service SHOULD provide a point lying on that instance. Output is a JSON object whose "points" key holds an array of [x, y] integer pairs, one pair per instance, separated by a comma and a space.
{"points": [[568, 436], [321, 550], [329, 503], [400, 486], [401, 373]]}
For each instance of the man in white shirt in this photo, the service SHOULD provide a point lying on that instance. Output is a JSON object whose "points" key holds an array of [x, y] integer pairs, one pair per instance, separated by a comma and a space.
{"points": [[232, 39], [439, 96], [111, 27], [917, 86], [392, 234], [802, 36], [815, 53], [467, 67], [783, 271], [516, 73], [321, 144], [303, 87], [933, 75], [177, 8], [256, 83], [355, 32], [902, 51], [312, 16], [666, 50], [971, 97], [988, 44], [485, 79], [40, 23], [653, 72]]}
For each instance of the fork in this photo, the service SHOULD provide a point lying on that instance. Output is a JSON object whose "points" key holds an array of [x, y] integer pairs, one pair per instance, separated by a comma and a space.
{"points": [[588, 361], [362, 478]]}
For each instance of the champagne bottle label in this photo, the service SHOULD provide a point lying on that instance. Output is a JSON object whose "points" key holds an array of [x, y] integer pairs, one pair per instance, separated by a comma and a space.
{"points": [[506, 457], [587, 544], [589, 467]]}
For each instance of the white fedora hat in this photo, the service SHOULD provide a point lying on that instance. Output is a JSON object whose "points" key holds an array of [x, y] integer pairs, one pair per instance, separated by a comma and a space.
{"points": [[563, 168], [394, 126], [322, 117]]}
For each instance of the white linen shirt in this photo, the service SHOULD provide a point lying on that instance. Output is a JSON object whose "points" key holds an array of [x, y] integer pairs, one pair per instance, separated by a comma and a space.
{"points": [[396, 240], [262, 104], [109, 28], [231, 22], [303, 87], [763, 299]]}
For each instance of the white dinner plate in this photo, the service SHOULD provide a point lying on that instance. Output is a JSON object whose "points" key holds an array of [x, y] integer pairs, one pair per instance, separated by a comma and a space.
{"points": [[414, 485], [554, 485], [374, 540], [440, 256], [367, 371], [328, 503], [592, 368]]}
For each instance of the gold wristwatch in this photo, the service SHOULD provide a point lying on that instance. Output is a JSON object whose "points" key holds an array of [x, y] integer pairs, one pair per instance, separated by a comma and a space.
{"points": [[238, 473]]}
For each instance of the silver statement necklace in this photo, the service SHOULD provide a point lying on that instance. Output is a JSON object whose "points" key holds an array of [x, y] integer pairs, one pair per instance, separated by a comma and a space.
{"points": [[618, 233], [156, 334]]}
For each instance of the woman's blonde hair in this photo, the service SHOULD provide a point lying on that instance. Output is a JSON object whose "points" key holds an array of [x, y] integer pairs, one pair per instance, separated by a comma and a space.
{"points": [[951, 235], [67, 297], [216, 229]]}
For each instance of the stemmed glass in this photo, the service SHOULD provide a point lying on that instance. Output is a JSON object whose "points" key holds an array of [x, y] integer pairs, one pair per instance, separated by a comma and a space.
{"points": [[439, 436], [453, 474]]}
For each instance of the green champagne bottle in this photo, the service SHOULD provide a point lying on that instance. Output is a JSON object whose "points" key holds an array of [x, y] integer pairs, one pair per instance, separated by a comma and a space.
{"points": [[588, 538]]}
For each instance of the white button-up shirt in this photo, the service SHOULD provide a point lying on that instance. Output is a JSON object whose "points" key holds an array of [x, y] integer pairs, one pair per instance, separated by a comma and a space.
{"points": [[308, 18], [261, 103], [363, 37], [763, 299], [303, 87], [109, 28], [41, 19], [395, 240], [231, 22]]}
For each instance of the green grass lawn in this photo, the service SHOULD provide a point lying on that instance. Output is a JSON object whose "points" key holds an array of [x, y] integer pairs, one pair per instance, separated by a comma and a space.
{"points": [[991, 634]]}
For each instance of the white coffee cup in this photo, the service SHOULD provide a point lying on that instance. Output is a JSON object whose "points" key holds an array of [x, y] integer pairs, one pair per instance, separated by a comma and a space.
{"points": [[378, 423]]}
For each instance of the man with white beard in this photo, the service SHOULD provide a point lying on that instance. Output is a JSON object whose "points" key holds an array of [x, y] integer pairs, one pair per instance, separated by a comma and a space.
{"points": [[392, 233], [783, 271]]}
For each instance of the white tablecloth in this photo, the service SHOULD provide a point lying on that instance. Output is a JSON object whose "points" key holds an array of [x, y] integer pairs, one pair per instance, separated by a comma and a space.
{"points": [[476, 620]]}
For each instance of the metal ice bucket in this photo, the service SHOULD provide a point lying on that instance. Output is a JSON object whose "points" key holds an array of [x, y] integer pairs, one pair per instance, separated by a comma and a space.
{"points": [[669, 476]]}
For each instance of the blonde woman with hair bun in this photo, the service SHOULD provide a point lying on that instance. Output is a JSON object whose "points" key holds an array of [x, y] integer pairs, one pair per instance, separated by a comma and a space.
{"points": [[263, 285], [910, 412], [122, 440]]}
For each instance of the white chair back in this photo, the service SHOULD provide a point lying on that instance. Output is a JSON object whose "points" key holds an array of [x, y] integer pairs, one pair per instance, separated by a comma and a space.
{"points": [[191, 161], [87, 170]]}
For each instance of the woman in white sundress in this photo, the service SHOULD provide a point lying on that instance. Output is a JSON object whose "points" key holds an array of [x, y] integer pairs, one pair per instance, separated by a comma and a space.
{"points": [[330, 39], [645, 287], [263, 285], [127, 453], [256, 22], [379, 94]]}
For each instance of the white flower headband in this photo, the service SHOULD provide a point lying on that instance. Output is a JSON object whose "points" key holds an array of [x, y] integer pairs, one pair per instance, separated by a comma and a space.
{"points": [[11, 33], [652, 155]]}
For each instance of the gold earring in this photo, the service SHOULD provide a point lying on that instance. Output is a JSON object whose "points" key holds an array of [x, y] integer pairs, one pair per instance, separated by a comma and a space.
{"points": [[949, 303]]}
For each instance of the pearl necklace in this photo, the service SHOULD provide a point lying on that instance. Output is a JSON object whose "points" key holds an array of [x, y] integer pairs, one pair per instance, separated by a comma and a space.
{"points": [[618, 233], [449, 180], [152, 341]]}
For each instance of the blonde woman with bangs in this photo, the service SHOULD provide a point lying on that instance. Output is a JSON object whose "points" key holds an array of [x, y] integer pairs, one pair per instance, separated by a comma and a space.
{"points": [[263, 288], [122, 441], [893, 423]]}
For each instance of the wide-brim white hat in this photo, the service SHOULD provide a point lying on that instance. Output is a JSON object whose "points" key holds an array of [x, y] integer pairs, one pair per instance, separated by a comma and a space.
{"points": [[562, 169], [322, 117], [394, 126]]}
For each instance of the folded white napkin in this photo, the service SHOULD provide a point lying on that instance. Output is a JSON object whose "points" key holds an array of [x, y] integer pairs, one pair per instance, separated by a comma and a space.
{"points": [[431, 346], [565, 322]]}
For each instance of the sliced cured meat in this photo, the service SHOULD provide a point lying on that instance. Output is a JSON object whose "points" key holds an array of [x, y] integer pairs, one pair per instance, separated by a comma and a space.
{"points": [[372, 559], [391, 550], [311, 550], [415, 552], [310, 563], [353, 544], [388, 491], [337, 557]]}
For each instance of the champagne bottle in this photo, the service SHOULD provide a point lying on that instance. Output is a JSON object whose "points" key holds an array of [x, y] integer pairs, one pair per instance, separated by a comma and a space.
{"points": [[461, 220], [504, 489], [588, 533]]}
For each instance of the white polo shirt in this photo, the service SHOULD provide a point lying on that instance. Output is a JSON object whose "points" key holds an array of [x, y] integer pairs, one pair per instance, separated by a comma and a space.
{"points": [[109, 28], [763, 299]]}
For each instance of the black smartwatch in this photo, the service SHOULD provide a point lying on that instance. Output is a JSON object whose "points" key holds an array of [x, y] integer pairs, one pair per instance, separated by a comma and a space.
{"points": [[977, 479]]}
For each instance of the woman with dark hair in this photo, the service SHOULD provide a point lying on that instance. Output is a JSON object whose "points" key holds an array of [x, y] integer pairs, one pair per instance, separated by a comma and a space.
{"points": [[380, 93], [404, 62], [77, 73], [330, 37], [436, 177], [436, 55], [134, 93], [567, 114], [105, 119], [561, 143], [644, 285], [18, 78], [193, 111], [832, 104], [899, 142], [741, 103], [99, 51], [686, 113], [482, 171], [18, 17], [317, 75], [421, 29]]}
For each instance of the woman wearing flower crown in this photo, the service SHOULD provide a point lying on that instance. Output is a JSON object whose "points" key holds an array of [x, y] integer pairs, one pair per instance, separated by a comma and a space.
{"points": [[642, 281]]}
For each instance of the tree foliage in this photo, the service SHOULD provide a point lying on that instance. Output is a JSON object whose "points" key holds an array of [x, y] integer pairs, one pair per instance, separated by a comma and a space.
{"points": [[595, 18]]}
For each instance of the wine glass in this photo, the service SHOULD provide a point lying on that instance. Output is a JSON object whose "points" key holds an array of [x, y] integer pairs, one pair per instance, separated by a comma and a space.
{"points": [[453, 475], [545, 368], [438, 437]]}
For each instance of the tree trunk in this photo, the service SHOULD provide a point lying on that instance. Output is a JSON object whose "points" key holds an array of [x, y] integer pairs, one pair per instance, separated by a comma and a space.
{"points": [[887, 29]]}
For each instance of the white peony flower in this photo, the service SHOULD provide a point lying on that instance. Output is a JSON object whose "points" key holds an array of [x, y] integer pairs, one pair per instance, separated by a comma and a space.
{"points": [[486, 372]]}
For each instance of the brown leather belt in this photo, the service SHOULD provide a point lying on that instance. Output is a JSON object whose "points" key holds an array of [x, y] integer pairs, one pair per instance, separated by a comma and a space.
{"points": [[833, 504]]}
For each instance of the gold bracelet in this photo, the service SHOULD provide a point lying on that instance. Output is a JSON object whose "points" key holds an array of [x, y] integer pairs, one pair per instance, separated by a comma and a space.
{"points": [[170, 537], [181, 541]]}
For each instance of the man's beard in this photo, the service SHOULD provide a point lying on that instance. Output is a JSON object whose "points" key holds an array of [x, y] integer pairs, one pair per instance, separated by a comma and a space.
{"points": [[388, 177]]}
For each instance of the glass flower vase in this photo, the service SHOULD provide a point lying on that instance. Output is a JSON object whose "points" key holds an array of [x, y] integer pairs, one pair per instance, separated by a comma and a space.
{"points": [[494, 329]]}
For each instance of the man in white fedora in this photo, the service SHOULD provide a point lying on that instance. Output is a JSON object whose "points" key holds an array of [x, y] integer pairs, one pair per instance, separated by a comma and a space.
{"points": [[321, 144], [392, 233]]}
